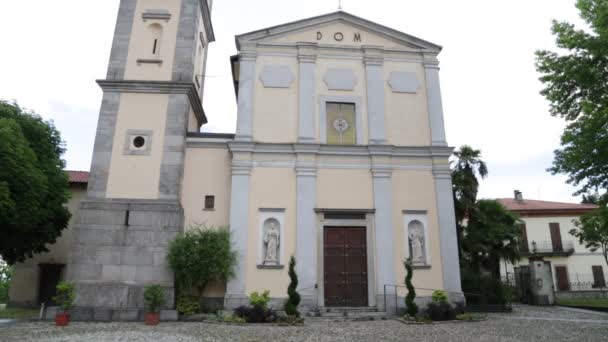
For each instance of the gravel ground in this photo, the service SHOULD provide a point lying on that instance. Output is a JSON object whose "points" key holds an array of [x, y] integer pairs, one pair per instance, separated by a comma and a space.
{"points": [[518, 326]]}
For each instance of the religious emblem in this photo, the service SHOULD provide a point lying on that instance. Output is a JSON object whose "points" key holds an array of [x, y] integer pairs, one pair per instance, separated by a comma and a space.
{"points": [[340, 125], [272, 240], [416, 240]]}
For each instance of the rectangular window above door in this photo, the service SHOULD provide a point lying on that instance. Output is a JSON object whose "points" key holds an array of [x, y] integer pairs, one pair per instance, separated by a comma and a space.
{"points": [[341, 123]]}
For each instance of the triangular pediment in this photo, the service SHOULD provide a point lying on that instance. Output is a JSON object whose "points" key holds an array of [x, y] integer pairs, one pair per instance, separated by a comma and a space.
{"points": [[337, 29]]}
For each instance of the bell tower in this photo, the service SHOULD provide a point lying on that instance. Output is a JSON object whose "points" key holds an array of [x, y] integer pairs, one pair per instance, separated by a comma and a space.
{"points": [[152, 97]]}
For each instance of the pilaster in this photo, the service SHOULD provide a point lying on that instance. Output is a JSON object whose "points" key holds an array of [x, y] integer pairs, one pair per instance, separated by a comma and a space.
{"points": [[374, 61], [383, 203], [247, 62], [434, 102], [306, 92], [447, 228], [306, 229], [239, 221]]}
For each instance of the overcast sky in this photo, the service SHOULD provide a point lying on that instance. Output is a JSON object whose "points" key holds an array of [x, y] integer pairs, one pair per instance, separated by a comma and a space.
{"points": [[53, 51]]}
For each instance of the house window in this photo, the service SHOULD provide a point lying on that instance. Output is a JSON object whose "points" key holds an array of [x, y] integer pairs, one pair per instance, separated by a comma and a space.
{"points": [[209, 202], [341, 123]]}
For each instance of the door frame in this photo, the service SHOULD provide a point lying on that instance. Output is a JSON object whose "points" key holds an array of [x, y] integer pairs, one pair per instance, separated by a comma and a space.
{"points": [[370, 243]]}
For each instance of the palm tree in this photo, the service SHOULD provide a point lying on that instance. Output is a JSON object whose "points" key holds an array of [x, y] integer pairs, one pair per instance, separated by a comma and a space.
{"points": [[466, 167]]}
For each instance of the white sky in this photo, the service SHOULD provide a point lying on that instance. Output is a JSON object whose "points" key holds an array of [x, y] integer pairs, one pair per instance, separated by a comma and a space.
{"points": [[53, 51]]}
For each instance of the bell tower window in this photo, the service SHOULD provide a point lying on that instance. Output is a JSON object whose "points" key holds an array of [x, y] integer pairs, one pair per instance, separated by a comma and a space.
{"points": [[155, 34]]}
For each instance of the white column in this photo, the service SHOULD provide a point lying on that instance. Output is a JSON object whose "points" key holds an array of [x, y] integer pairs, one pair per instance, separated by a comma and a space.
{"points": [[244, 122], [306, 94], [385, 257], [239, 223], [306, 234], [434, 102], [375, 96], [447, 229]]}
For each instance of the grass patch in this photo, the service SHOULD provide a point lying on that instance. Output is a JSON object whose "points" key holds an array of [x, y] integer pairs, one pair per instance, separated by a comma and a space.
{"points": [[18, 313], [596, 303]]}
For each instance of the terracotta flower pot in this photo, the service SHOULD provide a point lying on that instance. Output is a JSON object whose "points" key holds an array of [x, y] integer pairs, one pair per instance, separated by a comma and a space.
{"points": [[152, 318], [62, 319]]}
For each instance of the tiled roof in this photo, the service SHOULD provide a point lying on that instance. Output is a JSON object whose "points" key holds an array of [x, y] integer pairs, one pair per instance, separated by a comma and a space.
{"points": [[78, 176], [535, 206]]}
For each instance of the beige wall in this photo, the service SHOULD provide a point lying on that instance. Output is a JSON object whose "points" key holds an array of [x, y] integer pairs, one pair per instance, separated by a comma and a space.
{"points": [[270, 188], [407, 120], [206, 172], [275, 114], [24, 285], [415, 190], [137, 176], [344, 189], [141, 43], [275, 110]]}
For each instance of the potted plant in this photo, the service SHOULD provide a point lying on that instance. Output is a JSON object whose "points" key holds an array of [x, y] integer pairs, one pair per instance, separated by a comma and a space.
{"points": [[155, 298], [65, 299]]}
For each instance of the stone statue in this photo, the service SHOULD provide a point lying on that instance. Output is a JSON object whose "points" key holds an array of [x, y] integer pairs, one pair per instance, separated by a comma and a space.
{"points": [[272, 240], [416, 237]]}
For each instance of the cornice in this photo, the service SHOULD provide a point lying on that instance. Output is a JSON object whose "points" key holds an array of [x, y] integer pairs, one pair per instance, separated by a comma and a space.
{"points": [[158, 87]]}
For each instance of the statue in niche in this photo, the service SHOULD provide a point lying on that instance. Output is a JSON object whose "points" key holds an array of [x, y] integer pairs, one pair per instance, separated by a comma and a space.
{"points": [[416, 239], [272, 238]]}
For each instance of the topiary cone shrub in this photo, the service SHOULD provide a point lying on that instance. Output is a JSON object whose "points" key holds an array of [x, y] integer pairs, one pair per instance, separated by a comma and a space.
{"points": [[291, 305], [411, 307]]}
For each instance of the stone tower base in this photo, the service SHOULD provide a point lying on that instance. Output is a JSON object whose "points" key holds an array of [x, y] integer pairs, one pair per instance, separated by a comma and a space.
{"points": [[118, 248]]}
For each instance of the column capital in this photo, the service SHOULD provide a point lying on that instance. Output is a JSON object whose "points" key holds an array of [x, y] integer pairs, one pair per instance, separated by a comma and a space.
{"points": [[307, 52], [306, 169], [248, 52], [373, 55], [241, 167], [382, 171]]}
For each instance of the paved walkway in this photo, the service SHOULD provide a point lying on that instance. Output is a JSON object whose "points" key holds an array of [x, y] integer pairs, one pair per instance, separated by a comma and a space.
{"points": [[526, 323]]}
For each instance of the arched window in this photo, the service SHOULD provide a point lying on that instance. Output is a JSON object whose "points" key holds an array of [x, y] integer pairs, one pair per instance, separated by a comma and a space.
{"points": [[155, 34]]}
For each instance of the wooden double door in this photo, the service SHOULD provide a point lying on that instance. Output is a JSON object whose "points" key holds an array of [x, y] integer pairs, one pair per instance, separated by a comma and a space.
{"points": [[345, 266]]}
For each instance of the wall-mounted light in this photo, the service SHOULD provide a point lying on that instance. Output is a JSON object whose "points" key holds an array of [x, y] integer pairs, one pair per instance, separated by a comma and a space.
{"points": [[534, 249]]}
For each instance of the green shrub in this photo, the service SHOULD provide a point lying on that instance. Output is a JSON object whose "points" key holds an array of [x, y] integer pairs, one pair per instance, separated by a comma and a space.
{"points": [[410, 304], [261, 300], [188, 305], [256, 314], [291, 305], [65, 296], [201, 256], [440, 296], [154, 297], [439, 311]]}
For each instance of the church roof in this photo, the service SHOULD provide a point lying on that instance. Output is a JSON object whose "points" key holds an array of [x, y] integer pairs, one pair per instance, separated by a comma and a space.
{"points": [[546, 208], [303, 24], [78, 177]]}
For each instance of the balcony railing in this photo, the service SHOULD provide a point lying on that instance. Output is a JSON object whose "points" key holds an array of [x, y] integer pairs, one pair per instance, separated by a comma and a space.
{"points": [[546, 248]]}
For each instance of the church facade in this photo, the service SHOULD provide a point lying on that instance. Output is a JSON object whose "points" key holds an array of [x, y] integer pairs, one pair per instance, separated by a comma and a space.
{"points": [[339, 159]]}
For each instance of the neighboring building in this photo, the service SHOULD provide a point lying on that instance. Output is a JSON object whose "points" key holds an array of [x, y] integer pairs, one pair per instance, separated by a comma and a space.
{"points": [[339, 158], [546, 227], [35, 279]]}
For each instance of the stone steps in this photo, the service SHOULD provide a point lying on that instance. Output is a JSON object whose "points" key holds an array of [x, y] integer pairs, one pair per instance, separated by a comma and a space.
{"points": [[348, 313]]}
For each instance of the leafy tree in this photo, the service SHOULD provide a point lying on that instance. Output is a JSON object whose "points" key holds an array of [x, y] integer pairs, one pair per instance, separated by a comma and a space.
{"points": [[6, 273], [33, 185], [410, 304], [491, 234], [201, 256], [291, 306], [592, 231], [595, 198], [576, 85]]}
